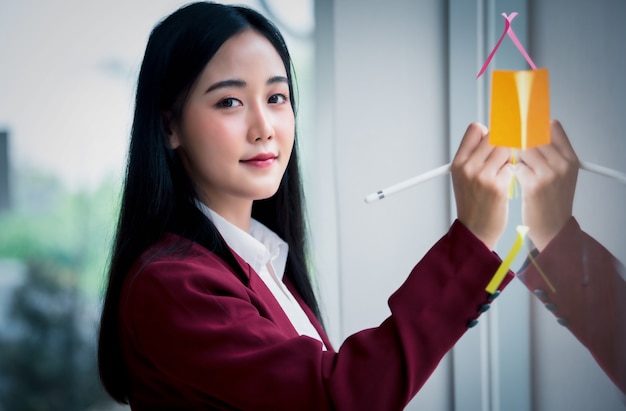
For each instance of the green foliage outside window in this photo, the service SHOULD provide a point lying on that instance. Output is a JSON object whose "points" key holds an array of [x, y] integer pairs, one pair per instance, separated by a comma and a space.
{"points": [[47, 347]]}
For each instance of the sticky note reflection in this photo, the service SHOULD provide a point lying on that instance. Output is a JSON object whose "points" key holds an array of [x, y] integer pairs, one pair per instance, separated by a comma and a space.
{"points": [[497, 278], [520, 108]]}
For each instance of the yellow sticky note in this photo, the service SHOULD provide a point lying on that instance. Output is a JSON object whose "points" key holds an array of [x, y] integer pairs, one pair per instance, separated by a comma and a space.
{"points": [[497, 278], [520, 108]]}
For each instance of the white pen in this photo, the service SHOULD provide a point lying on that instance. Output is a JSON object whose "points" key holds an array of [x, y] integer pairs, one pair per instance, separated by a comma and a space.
{"points": [[379, 195], [603, 171], [439, 171]]}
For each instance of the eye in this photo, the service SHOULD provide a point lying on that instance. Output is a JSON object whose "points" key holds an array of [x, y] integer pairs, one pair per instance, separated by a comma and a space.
{"points": [[277, 99], [228, 102]]}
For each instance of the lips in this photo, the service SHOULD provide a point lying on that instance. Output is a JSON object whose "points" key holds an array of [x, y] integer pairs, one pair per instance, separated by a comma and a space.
{"points": [[261, 160]]}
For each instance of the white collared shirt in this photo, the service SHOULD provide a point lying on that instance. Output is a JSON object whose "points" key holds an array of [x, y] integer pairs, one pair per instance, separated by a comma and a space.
{"points": [[266, 253]]}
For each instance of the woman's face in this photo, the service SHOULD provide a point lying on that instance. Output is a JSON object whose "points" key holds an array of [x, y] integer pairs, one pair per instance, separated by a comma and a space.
{"points": [[236, 130]]}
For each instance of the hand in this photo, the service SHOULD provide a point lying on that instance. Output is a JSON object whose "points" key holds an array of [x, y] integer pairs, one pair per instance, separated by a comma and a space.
{"points": [[547, 175], [481, 176]]}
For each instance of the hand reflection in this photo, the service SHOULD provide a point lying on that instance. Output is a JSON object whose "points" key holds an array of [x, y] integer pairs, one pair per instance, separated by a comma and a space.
{"points": [[570, 272], [547, 175]]}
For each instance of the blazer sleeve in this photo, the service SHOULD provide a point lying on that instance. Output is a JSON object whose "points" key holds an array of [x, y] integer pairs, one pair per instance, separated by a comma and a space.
{"points": [[196, 330], [583, 285]]}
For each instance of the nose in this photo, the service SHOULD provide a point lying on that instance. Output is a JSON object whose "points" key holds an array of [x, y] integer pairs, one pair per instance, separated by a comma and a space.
{"points": [[260, 123]]}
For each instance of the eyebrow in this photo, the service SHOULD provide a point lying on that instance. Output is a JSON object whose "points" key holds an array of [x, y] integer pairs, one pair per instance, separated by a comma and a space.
{"points": [[242, 84]]}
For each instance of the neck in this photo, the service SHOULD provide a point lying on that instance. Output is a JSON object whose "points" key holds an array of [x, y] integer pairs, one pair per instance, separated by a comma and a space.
{"points": [[237, 213]]}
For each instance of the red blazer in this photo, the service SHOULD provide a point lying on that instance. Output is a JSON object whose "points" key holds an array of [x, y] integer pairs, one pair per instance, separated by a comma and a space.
{"points": [[582, 284], [195, 337]]}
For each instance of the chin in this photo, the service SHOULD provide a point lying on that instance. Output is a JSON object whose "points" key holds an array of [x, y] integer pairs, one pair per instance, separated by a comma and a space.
{"points": [[265, 194]]}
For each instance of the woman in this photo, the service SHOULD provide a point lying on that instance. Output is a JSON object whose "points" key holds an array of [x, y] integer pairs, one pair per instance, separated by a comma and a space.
{"points": [[209, 304]]}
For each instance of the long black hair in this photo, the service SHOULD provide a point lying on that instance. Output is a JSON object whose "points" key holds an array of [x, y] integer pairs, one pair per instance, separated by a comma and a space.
{"points": [[158, 195]]}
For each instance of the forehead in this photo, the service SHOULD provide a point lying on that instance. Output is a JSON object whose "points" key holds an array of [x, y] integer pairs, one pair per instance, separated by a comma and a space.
{"points": [[245, 54]]}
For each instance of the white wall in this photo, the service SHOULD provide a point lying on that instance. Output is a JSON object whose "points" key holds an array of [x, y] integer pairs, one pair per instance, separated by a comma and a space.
{"points": [[382, 89]]}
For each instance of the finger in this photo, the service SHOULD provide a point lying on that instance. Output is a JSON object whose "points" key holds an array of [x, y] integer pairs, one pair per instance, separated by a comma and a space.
{"points": [[505, 175], [524, 174], [478, 158], [559, 154], [497, 159], [483, 151], [555, 160], [532, 165], [471, 139], [534, 159], [560, 146], [560, 142]]}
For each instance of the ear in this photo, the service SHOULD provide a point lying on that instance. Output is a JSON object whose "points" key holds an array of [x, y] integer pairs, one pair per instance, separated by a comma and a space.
{"points": [[174, 140], [171, 132]]}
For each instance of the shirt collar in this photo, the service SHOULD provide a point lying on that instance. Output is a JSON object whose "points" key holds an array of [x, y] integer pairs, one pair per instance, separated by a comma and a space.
{"points": [[258, 247]]}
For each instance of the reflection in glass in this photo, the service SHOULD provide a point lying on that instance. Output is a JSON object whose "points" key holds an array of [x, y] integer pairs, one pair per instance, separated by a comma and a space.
{"points": [[583, 285]]}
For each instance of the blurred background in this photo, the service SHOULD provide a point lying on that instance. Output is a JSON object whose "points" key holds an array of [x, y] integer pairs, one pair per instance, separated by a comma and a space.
{"points": [[385, 91], [67, 80]]}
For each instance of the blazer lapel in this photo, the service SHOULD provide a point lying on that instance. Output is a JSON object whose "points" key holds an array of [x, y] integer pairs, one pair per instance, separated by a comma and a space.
{"points": [[309, 313], [265, 300]]}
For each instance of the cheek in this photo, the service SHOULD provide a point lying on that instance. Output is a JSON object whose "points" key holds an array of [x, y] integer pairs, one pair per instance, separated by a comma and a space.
{"points": [[287, 130], [208, 135], [209, 147]]}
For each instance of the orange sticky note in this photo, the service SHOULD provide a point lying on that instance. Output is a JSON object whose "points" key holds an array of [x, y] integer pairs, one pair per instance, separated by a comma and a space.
{"points": [[520, 108]]}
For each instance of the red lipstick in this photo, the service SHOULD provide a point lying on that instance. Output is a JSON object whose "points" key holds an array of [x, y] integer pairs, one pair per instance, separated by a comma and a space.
{"points": [[261, 160]]}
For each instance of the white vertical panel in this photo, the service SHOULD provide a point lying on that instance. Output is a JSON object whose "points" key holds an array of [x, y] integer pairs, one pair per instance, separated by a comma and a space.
{"points": [[389, 125], [321, 191], [491, 362], [385, 97], [466, 29]]}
